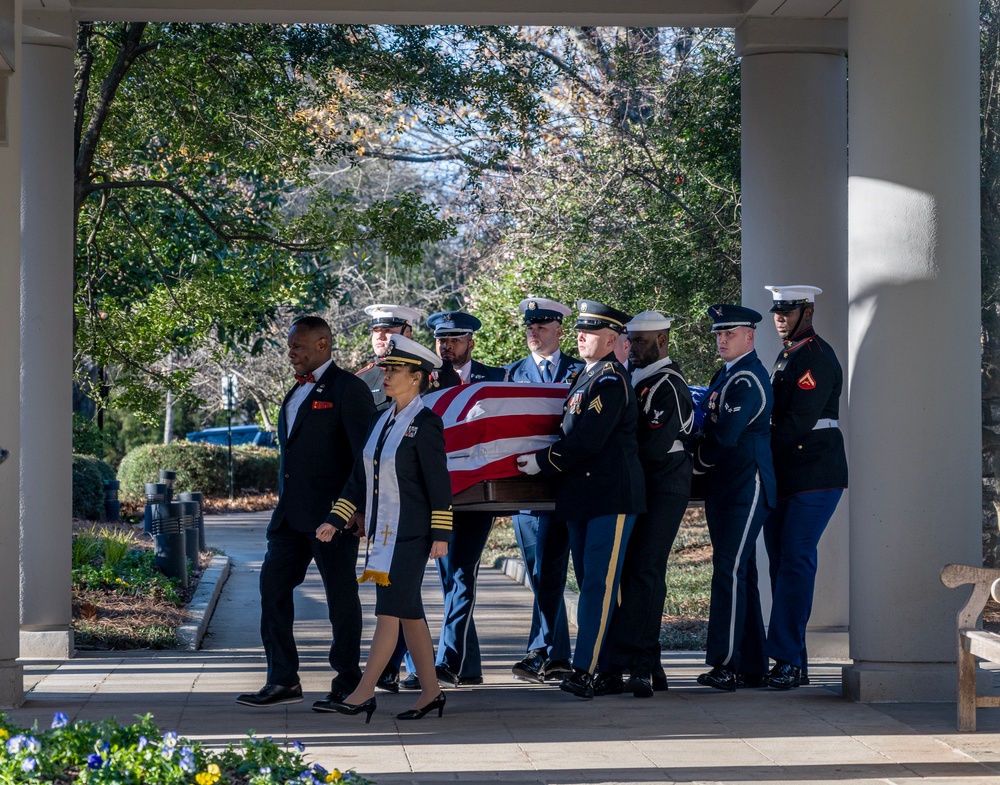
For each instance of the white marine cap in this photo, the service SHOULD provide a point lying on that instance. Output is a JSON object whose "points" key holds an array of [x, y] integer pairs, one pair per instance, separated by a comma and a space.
{"points": [[649, 321], [385, 315], [541, 309], [788, 298]]}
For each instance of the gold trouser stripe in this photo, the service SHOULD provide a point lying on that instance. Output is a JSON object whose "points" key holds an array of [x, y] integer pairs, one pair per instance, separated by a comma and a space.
{"points": [[609, 583]]}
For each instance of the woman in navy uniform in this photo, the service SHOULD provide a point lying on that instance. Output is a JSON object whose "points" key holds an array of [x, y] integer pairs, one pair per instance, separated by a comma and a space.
{"points": [[734, 454], [402, 489], [810, 465], [600, 488]]}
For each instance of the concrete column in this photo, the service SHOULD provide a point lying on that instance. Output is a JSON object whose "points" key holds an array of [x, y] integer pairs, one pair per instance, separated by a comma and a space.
{"points": [[794, 184], [915, 443], [46, 335], [11, 672]]}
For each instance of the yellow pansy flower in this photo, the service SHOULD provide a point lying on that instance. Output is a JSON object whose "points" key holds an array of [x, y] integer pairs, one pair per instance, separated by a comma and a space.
{"points": [[210, 776], [334, 776]]}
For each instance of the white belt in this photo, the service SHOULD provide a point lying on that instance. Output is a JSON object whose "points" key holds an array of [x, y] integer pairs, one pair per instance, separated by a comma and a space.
{"points": [[677, 446], [826, 423]]}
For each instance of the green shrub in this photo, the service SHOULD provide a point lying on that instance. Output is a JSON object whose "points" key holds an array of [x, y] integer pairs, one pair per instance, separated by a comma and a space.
{"points": [[255, 468], [89, 474], [87, 438], [199, 466]]}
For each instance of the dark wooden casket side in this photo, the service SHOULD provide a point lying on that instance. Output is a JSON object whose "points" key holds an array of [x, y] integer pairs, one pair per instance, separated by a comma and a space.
{"points": [[507, 495]]}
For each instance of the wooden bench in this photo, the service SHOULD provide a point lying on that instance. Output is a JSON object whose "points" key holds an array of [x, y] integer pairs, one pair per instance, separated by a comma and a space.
{"points": [[973, 642]]}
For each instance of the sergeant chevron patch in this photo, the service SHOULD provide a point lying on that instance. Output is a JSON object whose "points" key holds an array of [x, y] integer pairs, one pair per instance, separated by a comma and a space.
{"points": [[596, 405]]}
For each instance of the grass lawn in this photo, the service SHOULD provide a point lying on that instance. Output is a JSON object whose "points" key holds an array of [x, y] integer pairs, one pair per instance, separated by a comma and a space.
{"points": [[689, 575]]}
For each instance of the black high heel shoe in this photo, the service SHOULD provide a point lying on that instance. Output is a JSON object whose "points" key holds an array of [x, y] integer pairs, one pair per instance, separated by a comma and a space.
{"points": [[418, 714], [368, 707]]}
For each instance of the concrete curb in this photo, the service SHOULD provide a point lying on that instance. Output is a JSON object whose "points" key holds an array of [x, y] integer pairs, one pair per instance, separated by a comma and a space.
{"points": [[190, 634], [514, 569]]}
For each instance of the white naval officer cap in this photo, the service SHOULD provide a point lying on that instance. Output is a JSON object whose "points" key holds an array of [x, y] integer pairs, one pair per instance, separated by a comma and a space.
{"points": [[649, 321], [788, 298], [386, 315], [542, 309]]}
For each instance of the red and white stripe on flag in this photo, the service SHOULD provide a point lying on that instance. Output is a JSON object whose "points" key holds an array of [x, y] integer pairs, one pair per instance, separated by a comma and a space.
{"points": [[487, 425]]}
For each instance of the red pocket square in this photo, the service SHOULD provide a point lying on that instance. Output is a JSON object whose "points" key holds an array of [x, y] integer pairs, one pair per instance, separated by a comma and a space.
{"points": [[322, 404]]}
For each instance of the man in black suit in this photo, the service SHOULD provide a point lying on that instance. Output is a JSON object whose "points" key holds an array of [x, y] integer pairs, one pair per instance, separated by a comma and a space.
{"points": [[321, 427]]}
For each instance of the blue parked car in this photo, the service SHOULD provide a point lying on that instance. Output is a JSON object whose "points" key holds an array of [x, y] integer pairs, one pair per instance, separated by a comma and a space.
{"points": [[242, 434]]}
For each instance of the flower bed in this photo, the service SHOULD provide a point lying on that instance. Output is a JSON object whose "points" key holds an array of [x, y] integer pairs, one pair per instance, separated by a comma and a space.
{"points": [[139, 754]]}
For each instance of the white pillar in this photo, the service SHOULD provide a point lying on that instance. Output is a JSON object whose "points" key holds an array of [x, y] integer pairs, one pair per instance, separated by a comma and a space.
{"points": [[794, 212], [915, 444], [11, 672], [46, 335]]}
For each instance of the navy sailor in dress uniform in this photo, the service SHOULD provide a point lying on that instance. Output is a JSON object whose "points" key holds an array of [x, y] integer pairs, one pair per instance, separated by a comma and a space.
{"points": [[599, 481], [810, 465], [386, 320], [458, 657], [666, 419], [734, 454], [399, 497], [544, 542]]}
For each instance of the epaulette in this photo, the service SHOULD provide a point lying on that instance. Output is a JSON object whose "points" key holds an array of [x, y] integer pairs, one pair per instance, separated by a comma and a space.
{"points": [[366, 368]]}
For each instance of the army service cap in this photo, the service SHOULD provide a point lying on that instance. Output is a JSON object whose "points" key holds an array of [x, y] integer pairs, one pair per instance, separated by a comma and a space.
{"points": [[788, 298], [406, 351], [728, 317], [452, 323], [649, 321], [598, 316], [541, 309], [385, 315]]}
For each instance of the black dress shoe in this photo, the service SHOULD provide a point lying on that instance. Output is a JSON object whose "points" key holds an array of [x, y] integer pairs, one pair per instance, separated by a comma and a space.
{"points": [[579, 683], [608, 684], [531, 668], [803, 679], [557, 670], [419, 714], [335, 695], [389, 680], [271, 695], [719, 678], [640, 685], [750, 681], [784, 676], [659, 681], [368, 707], [411, 682], [445, 677], [469, 681]]}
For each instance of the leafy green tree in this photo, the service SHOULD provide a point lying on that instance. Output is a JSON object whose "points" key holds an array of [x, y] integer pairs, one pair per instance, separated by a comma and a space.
{"points": [[632, 194], [198, 211]]}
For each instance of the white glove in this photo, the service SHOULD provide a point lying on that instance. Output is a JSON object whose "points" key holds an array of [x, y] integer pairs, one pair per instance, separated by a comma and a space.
{"points": [[528, 463]]}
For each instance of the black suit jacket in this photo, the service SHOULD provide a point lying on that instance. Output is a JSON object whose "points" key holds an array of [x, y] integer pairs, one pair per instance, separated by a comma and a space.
{"points": [[486, 373], [318, 455]]}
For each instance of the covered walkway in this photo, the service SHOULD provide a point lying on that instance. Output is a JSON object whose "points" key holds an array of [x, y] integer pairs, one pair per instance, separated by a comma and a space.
{"points": [[506, 730]]}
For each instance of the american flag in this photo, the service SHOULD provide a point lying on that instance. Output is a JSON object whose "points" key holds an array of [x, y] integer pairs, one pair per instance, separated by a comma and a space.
{"points": [[487, 425]]}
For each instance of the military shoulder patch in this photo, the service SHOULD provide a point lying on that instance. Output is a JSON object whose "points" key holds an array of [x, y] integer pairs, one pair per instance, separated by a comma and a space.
{"points": [[806, 381], [596, 405]]}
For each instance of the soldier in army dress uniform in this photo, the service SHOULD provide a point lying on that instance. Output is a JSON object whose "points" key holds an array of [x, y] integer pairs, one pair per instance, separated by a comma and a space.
{"points": [[734, 454], [599, 481], [810, 466]]}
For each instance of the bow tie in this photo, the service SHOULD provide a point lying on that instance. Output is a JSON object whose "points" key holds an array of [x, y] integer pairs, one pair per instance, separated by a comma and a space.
{"points": [[305, 378]]}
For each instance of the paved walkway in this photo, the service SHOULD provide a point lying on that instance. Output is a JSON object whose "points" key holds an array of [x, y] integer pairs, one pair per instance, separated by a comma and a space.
{"points": [[506, 730]]}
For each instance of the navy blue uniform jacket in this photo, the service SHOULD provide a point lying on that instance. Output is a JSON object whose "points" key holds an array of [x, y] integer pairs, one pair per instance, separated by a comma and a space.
{"points": [[666, 418], [485, 373], [318, 455], [736, 441], [807, 381], [372, 375], [526, 371], [596, 459]]}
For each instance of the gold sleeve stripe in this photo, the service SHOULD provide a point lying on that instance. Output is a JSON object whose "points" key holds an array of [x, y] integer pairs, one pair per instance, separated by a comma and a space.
{"points": [[344, 509]]}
